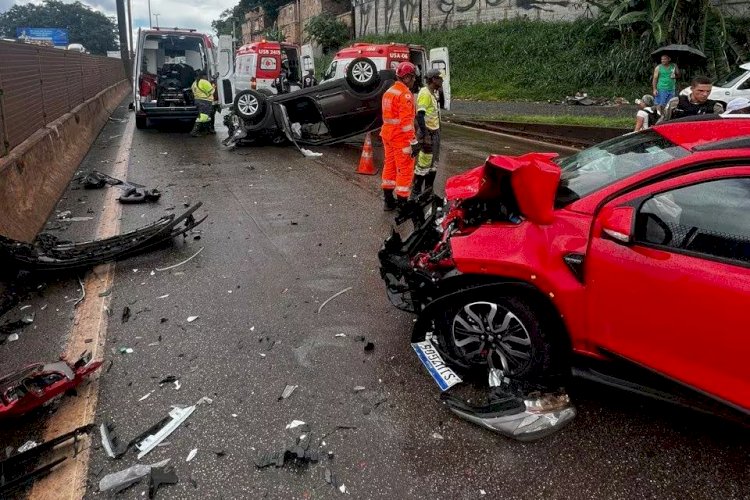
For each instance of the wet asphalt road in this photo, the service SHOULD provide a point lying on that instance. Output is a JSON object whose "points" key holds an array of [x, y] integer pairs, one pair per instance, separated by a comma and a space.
{"points": [[284, 234]]}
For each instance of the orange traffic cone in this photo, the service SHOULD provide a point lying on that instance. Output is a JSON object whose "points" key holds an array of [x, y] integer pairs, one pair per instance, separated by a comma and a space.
{"points": [[366, 163]]}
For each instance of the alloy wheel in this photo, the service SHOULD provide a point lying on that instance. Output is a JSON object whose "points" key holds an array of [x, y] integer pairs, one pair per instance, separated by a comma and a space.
{"points": [[485, 332], [248, 104], [362, 72]]}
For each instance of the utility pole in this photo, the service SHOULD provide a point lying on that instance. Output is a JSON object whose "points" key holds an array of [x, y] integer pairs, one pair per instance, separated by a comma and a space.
{"points": [[150, 24], [157, 19], [130, 31], [123, 27], [234, 32]]}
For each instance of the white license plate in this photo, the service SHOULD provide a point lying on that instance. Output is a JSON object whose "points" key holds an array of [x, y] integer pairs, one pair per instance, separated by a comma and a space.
{"points": [[439, 371]]}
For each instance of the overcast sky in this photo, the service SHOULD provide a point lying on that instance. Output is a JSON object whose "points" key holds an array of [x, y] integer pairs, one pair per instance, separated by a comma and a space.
{"points": [[181, 13]]}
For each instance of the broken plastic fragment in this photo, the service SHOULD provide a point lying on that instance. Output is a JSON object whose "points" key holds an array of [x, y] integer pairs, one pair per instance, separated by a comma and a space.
{"points": [[310, 154], [369, 347], [146, 396], [177, 385], [343, 489], [118, 481], [192, 454], [178, 416], [126, 350], [110, 442], [192, 318], [12, 337], [28, 445], [294, 423], [180, 263], [333, 297], [204, 399], [437, 435], [163, 296], [288, 390], [160, 476], [358, 388], [340, 335]]}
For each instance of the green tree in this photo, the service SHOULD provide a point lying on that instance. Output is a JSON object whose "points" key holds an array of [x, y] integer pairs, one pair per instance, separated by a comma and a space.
{"points": [[223, 25], [92, 29], [328, 31]]}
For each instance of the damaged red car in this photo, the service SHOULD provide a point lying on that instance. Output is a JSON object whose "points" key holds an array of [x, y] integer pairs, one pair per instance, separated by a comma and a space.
{"points": [[627, 263]]}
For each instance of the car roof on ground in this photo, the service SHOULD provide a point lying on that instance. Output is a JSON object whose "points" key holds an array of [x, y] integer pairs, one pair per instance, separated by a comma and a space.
{"points": [[697, 131]]}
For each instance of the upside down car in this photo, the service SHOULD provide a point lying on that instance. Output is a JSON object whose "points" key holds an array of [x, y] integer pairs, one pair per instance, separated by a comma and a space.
{"points": [[626, 263]]}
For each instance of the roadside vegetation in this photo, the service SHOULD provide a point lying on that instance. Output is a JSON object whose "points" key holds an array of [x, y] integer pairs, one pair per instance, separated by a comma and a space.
{"points": [[588, 121]]}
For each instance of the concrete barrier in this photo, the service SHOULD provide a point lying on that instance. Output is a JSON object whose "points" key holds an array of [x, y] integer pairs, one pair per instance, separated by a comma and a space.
{"points": [[35, 173]]}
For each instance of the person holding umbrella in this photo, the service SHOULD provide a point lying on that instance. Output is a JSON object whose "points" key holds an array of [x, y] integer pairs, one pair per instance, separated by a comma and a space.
{"points": [[664, 80]]}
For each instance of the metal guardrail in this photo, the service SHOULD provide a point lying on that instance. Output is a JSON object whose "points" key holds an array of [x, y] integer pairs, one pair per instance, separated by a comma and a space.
{"points": [[40, 84]]}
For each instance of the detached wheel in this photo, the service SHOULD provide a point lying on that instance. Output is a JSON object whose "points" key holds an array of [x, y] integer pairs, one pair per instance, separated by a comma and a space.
{"points": [[362, 73], [141, 122], [503, 332], [249, 105]]}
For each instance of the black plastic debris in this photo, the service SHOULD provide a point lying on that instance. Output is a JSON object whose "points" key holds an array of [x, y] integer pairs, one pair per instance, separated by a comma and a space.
{"points": [[125, 314], [298, 454], [14, 470], [111, 442], [169, 379], [48, 253], [369, 347], [138, 195], [160, 476]]}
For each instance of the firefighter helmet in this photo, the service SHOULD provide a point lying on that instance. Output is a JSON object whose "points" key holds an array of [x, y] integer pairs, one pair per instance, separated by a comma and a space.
{"points": [[405, 68]]}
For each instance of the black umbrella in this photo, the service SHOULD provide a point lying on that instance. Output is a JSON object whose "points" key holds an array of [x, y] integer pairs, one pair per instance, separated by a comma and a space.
{"points": [[679, 53]]}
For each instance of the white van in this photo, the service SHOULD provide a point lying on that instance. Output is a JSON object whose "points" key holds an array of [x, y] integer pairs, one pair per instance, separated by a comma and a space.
{"points": [[166, 61]]}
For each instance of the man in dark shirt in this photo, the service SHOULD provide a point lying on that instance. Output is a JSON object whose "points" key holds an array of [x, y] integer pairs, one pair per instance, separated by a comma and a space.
{"points": [[697, 103], [309, 79]]}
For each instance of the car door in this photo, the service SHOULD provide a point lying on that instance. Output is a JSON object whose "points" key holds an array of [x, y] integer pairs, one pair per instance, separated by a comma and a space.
{"points": [[225, 65], [439, 60], [308, 59], [667, 277]]}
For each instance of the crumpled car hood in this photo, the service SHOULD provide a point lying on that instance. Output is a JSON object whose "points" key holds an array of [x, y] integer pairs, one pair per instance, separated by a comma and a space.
{"points": [[529, 182]]}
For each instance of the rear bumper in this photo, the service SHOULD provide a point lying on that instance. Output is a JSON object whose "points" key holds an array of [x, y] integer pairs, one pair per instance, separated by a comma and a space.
{"points": [[169, 113]]}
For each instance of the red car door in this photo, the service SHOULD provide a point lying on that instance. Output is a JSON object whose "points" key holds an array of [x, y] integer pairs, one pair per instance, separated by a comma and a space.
{"points": [[668, 280]]}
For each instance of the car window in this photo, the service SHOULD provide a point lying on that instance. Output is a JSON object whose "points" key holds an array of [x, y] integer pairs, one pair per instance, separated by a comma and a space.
{"points": [[731, 79], [744, 85], [711, 218], [612, 161], [331, 71]]}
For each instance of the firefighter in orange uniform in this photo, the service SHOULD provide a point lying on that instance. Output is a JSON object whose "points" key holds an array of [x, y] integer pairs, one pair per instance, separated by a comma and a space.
{"points": [[399, 137]]}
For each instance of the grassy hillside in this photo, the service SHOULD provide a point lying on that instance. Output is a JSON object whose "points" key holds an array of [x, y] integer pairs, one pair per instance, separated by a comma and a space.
{"points": [[536, 60]]}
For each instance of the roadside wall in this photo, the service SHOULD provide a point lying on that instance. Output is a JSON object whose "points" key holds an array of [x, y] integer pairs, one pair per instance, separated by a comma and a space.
{"points": [[402, 16], [35, 174]]}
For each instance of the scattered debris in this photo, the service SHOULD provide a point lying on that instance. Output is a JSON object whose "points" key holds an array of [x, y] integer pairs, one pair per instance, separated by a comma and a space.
{"points": [[482, 492], [169, 379], [163, 296], [118, 481], [106, 293], [139, 195], [358, 388], [298, 453], [160, 431], [288, 390], [83, 293], [437, 435], [204, 399], [160, 476], [28, 445], [295, 423], [310, 154], [369, 347], [340, 335], [333, 297], [343, 489], [126, 350], [110, 442], [192, 454], [48, 253], [12, 337], [125, 314], [192, 318], [16, 468], [35, 385], [180, 263], [146, 396]]}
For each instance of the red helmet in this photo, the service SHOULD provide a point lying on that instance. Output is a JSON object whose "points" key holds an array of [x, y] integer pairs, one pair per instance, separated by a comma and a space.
{"points": [[405, 68]]}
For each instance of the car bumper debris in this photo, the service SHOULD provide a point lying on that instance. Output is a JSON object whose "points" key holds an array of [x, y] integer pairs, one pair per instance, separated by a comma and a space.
{"points": [[47, 253]]}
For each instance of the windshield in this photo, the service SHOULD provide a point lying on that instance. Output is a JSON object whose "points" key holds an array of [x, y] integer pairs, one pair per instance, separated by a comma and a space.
{"points": [[612, 161], [731, 79]]}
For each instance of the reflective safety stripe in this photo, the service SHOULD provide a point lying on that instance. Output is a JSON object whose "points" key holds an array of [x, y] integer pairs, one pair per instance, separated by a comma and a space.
{"points": [[366, 155], [406, 150], [391, 121], [393, 91], [387, 183], [405, 190], [407, 128]]}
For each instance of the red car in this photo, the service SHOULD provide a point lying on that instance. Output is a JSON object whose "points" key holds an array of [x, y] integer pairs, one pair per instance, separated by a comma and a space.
{"points": [[628, 262]]}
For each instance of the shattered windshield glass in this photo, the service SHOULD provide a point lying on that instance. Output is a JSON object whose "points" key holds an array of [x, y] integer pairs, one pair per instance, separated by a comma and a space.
{"points": [[612, 161]]}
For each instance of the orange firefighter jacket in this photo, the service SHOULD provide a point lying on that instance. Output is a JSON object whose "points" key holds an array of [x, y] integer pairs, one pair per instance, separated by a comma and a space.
{"points": [[398, 116]]}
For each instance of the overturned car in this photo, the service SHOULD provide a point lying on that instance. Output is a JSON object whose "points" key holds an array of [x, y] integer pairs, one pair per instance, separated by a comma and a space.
{"points": [[598, 265], [324, 114]]}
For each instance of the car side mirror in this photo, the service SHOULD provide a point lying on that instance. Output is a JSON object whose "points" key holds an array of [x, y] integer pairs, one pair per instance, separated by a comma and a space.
{"points": [[617, 224]]}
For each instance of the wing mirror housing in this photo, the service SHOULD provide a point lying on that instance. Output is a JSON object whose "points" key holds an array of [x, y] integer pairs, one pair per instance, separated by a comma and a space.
{"points": [[617, 224]]}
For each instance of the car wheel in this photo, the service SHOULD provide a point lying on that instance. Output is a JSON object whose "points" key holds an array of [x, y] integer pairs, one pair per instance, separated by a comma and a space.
{"points": [[141, 122], [362, 73], [249, 104], [265, 92], [504, 332]]}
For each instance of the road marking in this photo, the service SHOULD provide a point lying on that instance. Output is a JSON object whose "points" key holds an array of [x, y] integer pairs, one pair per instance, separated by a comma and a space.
{"points": [[535, 142], [90, 323]]}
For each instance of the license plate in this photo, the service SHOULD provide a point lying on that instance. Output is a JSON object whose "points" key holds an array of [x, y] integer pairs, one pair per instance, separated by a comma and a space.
{"points": [[439, 371]]}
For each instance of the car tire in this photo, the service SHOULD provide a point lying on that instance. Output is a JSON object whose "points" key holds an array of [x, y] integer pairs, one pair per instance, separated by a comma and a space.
{"points": [[266, 92], [362, 73], [249, 105], [515, 336], [141, 122]]}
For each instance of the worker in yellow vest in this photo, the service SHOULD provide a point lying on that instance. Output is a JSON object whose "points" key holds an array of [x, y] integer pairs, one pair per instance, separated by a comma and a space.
{"points": [[428, 132], [203, 92]]}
